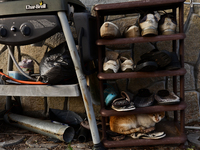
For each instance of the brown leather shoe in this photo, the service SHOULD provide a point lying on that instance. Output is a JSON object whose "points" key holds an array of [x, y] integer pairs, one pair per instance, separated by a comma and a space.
{"points": [[109, 30], [131, 31]]}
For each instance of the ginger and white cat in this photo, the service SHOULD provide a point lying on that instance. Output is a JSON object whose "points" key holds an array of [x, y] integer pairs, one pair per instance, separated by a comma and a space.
{"points": [[135, 123]]}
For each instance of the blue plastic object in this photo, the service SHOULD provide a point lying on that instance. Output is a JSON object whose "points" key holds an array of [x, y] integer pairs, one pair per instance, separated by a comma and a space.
{"points": [[109, 94]]}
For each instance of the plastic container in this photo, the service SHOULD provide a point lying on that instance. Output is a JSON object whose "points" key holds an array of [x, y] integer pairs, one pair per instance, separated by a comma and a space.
{"points": [[17, 75]]}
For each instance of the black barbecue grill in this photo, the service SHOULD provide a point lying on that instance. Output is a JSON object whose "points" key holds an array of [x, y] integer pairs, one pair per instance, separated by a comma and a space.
{"points": [[24, 22]]}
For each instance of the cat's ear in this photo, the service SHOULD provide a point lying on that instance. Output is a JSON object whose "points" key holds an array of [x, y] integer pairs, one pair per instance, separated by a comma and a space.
{"points": [[163, 114]]}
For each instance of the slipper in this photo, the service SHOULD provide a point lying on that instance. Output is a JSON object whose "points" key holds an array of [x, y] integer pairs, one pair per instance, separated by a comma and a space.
{"points": [[146, 66], [124, 108], [162, 58], [154, 135], [144, 98], [164, 97], [124, 100]]}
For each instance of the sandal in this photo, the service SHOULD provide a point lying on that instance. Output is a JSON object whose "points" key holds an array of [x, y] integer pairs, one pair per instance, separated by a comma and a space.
{"points": [[137, 135], [124, 108], [124, 100], [154, 135]]}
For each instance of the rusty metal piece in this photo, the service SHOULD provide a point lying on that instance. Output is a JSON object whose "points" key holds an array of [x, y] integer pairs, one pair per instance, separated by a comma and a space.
{"points": [[61, 132]]}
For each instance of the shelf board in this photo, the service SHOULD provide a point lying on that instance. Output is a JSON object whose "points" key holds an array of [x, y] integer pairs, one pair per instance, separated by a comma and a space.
{"points": [[121, 75], [144, 142], [156, 108], [171, 128], [135, 6], [140, 39], [40, 90]]}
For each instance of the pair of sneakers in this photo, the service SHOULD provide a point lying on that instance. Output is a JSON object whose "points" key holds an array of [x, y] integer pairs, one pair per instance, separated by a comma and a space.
{"points": [[153, 24], [110, 30], [114, 62]]}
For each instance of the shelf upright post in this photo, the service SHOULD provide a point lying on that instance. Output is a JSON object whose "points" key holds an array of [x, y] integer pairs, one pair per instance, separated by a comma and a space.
{"points": [[181, 28], [174, 47], [100, 20]]}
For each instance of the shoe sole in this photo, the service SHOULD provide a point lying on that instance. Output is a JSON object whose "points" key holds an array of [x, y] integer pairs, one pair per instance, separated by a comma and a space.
{"points": [[168, 32], [149, 32], [148, 66]]}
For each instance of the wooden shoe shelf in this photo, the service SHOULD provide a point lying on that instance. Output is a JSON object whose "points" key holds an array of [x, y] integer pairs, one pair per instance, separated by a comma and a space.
{"points": [[178, 122]]}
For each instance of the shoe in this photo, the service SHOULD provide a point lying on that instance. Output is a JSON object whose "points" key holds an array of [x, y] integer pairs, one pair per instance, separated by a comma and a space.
{"points": [[131, 31], [162, 57], [146, 66], [111, 62], [144, 98], [175, 63], [167, 24], [164, 97], [126, 62], [109, 30], [149, 24]]}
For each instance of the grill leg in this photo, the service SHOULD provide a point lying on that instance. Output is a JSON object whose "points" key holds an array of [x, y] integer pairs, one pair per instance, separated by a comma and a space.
{"points": [[81, 78]]}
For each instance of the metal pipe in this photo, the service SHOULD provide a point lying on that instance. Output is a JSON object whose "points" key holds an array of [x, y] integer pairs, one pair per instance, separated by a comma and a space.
{"points": [[87, 98], [61, 132], [9, 68]]}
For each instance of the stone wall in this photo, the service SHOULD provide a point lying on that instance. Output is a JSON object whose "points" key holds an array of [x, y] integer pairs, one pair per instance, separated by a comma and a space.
{"points": [[38, 106]]}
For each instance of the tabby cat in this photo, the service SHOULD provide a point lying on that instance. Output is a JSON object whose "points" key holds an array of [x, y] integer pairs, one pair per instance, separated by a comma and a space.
{"points": [[135, 123]]}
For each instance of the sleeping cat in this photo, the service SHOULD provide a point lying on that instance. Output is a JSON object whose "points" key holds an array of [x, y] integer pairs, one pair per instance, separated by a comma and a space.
{"points": [[135, 123]]}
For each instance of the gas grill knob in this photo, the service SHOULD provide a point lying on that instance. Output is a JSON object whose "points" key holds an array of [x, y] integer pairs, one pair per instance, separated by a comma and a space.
{"points": [[3, 32], [25, 30]]}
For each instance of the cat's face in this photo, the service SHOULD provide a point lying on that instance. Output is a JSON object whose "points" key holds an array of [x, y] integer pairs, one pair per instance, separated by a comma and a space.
{"points": [[157, 117]]}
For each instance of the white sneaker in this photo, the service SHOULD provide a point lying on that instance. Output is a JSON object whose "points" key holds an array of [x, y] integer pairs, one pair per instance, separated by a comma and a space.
{"points": [[126, 62], [111, 62]]}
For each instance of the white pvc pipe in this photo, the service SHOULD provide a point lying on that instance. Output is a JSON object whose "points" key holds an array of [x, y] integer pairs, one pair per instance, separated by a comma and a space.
{"points": [[81, 77]]}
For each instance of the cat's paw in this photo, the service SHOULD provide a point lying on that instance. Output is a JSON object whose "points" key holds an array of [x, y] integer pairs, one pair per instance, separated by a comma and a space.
{"points": [[142, 129], [149, 129]]}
